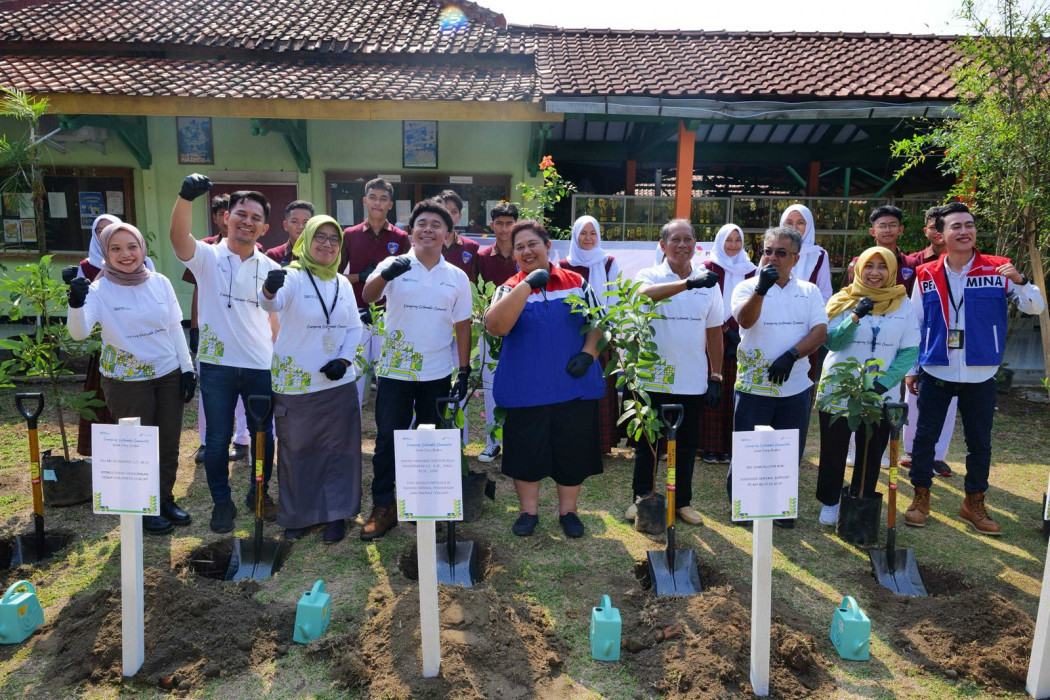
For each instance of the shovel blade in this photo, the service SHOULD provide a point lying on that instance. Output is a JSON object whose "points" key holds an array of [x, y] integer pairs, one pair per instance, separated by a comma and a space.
{"points": [[682, 579], [24, 550], [460, 569], [903, 578], [245, 564]]}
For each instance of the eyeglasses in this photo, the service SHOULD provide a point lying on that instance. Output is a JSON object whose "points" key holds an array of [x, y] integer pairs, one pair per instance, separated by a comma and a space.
{"points": [[887, 227], [330, 240], [779, 252]]}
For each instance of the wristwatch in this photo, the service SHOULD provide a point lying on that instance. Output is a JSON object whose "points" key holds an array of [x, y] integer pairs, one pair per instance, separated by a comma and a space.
{"points": [[716, 377], [1024, 280], [794, 352]]}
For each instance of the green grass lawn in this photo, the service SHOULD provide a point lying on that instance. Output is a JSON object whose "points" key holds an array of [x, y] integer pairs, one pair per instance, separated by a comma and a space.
{"points": [[812, 568]]}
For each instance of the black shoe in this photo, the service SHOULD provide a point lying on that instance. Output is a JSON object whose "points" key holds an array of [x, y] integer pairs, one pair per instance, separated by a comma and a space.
{"points": [[785, 523], [711, 457], [156, 525], [525, 524], [295, 533], [222, 516], [571, 524], [199, 457], [941, 468], [725, 458], [334, 531], [177, 516], [238, 452]]}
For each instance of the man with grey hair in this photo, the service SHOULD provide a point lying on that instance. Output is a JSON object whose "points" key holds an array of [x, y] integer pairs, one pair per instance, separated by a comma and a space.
{"points": [[689, 343], [781, 320]]}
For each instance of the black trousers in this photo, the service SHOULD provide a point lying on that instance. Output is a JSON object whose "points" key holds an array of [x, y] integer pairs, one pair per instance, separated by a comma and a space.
{"points": [[688, 440], [834, 444]]}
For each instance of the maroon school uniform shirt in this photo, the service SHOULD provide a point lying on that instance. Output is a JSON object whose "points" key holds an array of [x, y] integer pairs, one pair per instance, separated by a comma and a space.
{"points": [[926, 255], [362, 249], [495, 268], [585, 272], [905, 272], [464, 255], [277, 254]]}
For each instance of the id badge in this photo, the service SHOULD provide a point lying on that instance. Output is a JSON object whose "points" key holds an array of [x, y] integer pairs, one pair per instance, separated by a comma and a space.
{"points": [[955, 339], [328, 343]]}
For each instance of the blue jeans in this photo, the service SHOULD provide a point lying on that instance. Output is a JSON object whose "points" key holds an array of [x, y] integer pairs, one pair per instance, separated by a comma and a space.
{"points": [[778, 412], [220, 387], [977, 408]]}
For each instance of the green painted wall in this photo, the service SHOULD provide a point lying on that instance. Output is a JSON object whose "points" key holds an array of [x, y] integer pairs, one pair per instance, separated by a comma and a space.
{"points": [[464, 148]]}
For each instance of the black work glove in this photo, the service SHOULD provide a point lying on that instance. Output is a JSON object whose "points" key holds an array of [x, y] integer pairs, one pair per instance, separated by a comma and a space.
{"points": [[538, 279], [362, 276], [78, 291], [366, 316], [702, 279], [195, 340], [579, 364], [187, 385], [714, 393], [69, 273], [400, 266], [194, 186], [780, 370], [459, 389], [731, 337], [274, 280], [879, 388], [334, 370], [864, 307], [767, 277]]}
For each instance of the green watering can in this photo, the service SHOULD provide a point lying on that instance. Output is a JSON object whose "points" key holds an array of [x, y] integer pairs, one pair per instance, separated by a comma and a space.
{"points": [[851, 631], [312, 614], [605, 631], [20, 613]]}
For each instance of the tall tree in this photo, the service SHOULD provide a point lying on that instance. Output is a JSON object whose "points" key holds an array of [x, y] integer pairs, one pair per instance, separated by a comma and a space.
{"points": [[996, 143]]}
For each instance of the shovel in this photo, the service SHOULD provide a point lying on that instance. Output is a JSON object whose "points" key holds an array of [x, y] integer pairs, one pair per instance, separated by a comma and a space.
{"points": [[894, 568], [457, 562], [673, 572], [28, 550], [256, 558]]}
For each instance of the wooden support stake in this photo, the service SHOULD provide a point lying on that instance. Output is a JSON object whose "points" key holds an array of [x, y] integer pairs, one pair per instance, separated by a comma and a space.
{"points": [[683, 191], [429, 627], [132, 598]]}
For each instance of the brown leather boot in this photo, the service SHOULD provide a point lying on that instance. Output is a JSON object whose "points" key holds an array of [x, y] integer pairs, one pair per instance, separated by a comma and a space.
{"points": [[973, 511], [382, 519], [919, 509]]}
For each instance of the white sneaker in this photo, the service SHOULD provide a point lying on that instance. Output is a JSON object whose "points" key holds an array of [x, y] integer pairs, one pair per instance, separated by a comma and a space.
{"points": [[829, 515], [632, 512], [489, 453]]}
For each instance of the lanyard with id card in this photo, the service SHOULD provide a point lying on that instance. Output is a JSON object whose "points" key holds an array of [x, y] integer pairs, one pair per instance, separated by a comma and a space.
{"points": [[955, 335], [327, 339]]}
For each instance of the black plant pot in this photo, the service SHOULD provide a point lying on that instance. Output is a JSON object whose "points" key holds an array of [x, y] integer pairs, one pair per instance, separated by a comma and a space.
{"points": [[1004, 380], [859, 518], [65, 482], [476, 485], [652, 514]]}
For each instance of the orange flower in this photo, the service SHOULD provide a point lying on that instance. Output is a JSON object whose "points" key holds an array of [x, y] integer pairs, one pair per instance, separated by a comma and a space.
{"points": [[547, 162]]}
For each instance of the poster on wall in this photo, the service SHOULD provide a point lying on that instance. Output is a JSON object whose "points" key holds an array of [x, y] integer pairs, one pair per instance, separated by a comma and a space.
{"points": [[194, 140], [12, 231], [115, 202], [419, 144], [28, 230], [56, 205], [92, 205]]}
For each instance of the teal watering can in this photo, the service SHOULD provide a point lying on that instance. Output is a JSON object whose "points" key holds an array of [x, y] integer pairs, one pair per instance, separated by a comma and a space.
{"points": [[312, 614], [605, 631], [20, 613], [851, 631]]}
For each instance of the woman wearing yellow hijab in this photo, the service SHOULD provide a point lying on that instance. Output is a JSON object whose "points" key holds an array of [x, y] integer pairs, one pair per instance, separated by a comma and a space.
{"points": [[315, 410], [872, 320]]}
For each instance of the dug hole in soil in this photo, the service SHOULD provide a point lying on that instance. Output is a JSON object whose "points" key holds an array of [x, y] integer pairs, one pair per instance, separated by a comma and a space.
{"points": [[195, 629]]}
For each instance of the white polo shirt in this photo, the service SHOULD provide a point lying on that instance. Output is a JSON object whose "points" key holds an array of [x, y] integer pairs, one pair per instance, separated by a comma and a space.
{"points": [[142, 335], [234, 329], [300, 350], [681, 336], [421, 307], [788, 315]]}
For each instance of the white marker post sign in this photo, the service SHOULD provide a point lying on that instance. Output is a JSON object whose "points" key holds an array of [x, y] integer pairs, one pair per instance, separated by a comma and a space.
{"points": [[429, 488], [1038, 682], [765, 486], [125, 481]]}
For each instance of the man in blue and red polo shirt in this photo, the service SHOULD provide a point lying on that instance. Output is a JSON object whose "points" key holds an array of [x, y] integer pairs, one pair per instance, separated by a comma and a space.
{"points": [[961, 300]]}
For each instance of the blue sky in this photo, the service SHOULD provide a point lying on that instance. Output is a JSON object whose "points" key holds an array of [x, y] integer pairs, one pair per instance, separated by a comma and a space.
{"points": [[898, 16]]}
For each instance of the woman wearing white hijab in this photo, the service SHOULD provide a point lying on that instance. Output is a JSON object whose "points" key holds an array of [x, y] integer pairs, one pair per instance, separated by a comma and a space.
{"points": [[588, 259], [730, 262], [813, 264]]}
